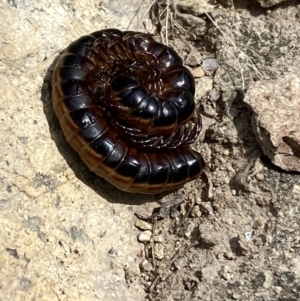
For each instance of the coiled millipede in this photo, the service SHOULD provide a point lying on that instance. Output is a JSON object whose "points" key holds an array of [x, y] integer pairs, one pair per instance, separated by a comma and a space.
{"points": [[126, 105]]}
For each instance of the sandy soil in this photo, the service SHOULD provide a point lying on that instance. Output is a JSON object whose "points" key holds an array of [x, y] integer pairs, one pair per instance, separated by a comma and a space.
{"points": [[67, 235]]}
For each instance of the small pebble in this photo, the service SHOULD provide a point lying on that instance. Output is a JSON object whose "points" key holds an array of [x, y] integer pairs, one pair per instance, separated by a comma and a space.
{"points": [[263, 200], [198, 72], [236, 296], [143, 225], [162, 266], [145, 236], [260, 176], [159, 238], [174, 212], [296, 192], [198, 199], [249, 235], [257, 224], [206, 207], [188, 233], [214, 95], [277, 289], [196, 212], [226, 272], [229, 255], [159, 251], [226, 152], [209, 239], [203, 86], [193, 59], [210, 64], [146, 266]]}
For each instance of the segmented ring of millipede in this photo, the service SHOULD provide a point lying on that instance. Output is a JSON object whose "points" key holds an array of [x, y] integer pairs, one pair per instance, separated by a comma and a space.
{"points": [[126, 105]]}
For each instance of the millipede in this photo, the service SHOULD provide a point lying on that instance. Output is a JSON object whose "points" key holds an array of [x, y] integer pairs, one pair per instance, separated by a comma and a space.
{"points": [[125, 104]]}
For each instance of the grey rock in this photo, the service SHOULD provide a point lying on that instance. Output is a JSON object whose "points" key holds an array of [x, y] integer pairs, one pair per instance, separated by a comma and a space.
{"points": [[269, 3], [276, 111]]}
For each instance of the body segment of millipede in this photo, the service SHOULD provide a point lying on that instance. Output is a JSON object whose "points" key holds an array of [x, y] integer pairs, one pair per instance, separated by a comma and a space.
{"points": [[126, 105]]}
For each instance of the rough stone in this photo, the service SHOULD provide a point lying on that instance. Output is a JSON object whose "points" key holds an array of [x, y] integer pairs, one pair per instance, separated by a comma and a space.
{"points": [[270, 3], [275, 121], [195, 7], [145, 236]]}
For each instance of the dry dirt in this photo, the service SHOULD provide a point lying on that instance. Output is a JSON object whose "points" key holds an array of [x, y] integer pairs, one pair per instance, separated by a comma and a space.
{"points": [[66, 235]]}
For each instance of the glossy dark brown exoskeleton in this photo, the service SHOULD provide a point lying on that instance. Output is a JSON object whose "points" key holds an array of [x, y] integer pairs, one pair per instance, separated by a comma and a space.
{"points": [[126, 105]]}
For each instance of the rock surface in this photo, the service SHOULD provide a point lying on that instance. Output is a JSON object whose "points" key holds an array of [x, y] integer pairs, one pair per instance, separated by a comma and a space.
{"points": [[269, 3], [275, 120]]}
